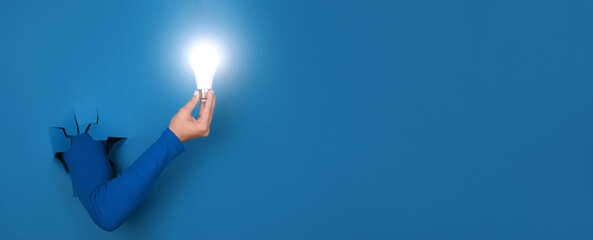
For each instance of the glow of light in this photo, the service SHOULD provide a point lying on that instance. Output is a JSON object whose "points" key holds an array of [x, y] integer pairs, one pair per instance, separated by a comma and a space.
{"points": [[204, 60]]}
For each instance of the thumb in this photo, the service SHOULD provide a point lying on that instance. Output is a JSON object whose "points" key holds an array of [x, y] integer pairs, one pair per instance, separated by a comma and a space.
{"points": [[191, 104]]}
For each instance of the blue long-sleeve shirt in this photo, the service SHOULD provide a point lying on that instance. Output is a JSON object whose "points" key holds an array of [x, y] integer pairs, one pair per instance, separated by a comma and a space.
{"points": [[110, 200]]}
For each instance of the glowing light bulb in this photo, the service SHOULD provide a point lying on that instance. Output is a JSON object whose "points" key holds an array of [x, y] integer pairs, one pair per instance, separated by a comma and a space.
{"points": [[204, 61]]}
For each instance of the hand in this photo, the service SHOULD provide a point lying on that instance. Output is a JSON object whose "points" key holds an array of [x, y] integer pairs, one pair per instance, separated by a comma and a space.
{"points": [[185, 126]]}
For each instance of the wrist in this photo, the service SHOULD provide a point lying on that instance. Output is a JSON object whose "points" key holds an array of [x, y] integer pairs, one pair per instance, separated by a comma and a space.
{"points": [[173, 143], [177, 134]]}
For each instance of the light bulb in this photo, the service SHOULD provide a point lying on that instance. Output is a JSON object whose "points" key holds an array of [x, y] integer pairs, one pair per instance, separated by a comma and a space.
{"points": [[204, 61]]}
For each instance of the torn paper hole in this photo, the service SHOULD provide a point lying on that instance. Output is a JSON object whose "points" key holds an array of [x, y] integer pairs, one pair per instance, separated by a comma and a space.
{"points": [[86, 121]]}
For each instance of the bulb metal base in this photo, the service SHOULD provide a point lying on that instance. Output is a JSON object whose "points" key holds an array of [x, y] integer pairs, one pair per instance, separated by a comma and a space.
{"points": [[203, 94]]}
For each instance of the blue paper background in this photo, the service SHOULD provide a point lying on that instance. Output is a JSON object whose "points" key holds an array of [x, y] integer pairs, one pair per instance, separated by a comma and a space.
{"points": [[334, 119]]}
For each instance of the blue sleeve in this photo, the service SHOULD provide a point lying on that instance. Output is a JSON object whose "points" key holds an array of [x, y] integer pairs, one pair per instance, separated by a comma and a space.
{"points": [[108, 200]]}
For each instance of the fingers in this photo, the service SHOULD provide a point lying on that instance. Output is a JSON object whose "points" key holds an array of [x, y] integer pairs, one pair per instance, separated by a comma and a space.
{"points": [[202, 104], [212, 109], [208, 107], [189, 106]]}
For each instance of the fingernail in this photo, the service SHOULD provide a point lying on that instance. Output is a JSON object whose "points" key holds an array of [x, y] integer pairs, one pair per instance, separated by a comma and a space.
{"points": [[196, 93]]}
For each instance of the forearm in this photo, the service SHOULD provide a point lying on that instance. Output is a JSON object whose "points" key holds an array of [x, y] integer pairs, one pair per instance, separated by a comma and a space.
{"points": [[112, 202]]}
